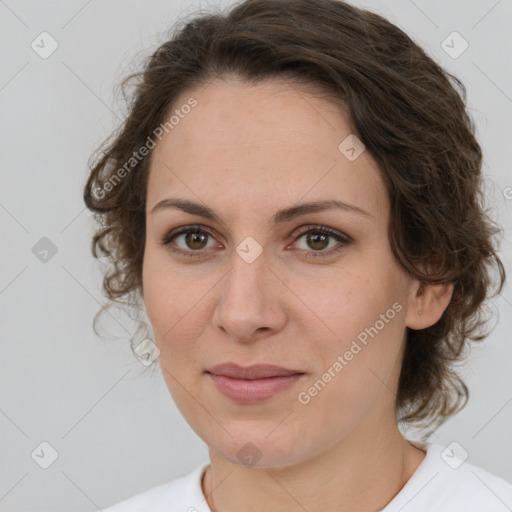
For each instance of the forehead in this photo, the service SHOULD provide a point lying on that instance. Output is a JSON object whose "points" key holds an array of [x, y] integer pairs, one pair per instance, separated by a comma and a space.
{"points": [[249, 142]]}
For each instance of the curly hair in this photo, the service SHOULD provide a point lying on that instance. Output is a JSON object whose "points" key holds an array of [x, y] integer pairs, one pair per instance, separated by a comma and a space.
{"points": [[408, 111]]}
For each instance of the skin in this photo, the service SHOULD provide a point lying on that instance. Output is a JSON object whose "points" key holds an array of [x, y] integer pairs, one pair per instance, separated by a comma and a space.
{"points": [[247, 151]]}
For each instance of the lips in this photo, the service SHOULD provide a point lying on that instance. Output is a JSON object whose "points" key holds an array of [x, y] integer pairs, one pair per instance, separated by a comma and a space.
{"points": [[251, 372], [253, 384]]}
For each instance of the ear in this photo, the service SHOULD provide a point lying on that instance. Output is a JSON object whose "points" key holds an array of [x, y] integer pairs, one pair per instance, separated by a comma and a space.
{"points": [[426, 304]]}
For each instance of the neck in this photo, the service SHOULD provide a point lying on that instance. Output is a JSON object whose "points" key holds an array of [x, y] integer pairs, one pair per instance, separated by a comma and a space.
{"points": [[337, 479]]}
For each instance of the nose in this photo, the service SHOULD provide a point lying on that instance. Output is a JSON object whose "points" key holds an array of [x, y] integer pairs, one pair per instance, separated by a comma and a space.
{"points": [[250, 303]]}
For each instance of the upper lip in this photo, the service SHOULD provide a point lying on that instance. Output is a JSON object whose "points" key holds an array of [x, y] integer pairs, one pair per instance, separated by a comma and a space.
{"points": [[257, 371]]}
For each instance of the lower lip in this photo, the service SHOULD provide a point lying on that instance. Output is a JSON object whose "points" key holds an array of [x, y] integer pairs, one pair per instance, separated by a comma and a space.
{"points": [[253, 391]]}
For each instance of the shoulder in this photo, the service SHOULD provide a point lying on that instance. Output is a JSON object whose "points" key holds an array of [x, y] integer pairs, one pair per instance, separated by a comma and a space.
{"points": [[447, 483], [183, 494]]}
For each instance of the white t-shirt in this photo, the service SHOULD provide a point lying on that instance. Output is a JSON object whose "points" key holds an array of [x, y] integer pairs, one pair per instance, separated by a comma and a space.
{"points": [[441, 483]]}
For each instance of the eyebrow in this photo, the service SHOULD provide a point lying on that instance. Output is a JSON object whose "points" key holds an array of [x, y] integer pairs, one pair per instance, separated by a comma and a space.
{"points": [[281, 216]]}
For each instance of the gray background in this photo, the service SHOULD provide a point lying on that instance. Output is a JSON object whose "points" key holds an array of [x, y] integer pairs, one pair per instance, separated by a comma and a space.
{"points": [[113, 424]]}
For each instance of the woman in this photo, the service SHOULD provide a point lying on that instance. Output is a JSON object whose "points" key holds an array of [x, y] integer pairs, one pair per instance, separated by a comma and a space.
{"points": [[295, 197]]}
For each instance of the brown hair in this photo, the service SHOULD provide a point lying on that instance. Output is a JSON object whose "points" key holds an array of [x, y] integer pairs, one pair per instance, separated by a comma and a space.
{"points": [[407, 110]]}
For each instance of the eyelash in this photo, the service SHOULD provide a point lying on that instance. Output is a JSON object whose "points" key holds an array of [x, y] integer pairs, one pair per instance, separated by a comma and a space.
{"points": [[319, 230]]}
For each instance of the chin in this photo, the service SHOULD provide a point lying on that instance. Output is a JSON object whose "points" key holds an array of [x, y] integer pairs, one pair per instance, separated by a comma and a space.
{"points": [[256, 448]]}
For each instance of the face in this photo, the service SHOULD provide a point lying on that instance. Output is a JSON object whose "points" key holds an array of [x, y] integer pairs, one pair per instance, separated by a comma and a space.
{"points": [[315, 291]]}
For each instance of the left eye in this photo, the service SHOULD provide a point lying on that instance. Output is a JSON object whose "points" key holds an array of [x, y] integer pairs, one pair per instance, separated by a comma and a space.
{"points": [[317, 240]]}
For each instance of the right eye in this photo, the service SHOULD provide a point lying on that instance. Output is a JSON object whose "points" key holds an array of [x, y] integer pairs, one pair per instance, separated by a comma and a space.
{"points": [[193, 241]]}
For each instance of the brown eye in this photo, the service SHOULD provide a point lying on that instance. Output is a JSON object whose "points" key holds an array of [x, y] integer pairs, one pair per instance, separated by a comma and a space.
{"points": [[318, 239], [189, 240], [196, 240]]}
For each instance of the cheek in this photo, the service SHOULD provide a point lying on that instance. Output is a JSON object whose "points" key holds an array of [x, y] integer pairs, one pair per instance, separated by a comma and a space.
{"points": [[157, 301], [162, 294], [344, 304], [354, 376], [177, 311], [356, 334]]}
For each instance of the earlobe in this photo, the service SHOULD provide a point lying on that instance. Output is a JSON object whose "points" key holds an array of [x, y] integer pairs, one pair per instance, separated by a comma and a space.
{"points": [[427, 304]]}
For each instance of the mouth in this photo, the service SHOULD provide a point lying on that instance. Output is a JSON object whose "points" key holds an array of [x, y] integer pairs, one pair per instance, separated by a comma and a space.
{"points": [[253, 384]]}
